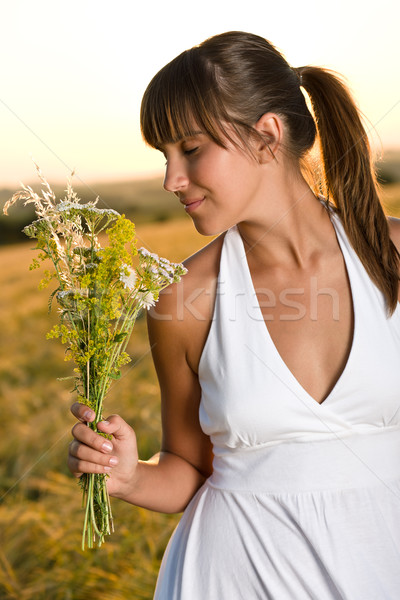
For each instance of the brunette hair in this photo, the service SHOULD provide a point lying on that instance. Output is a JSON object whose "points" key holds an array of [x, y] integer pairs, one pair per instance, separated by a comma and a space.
{"points": [[236, 77]]}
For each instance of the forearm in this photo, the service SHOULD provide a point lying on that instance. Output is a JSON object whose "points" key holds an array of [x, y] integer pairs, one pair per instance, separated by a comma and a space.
{"points": [[165, 483]]}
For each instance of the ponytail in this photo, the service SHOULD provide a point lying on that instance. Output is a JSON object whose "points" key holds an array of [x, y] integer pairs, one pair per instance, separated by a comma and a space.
{"points": [[348, 177]]}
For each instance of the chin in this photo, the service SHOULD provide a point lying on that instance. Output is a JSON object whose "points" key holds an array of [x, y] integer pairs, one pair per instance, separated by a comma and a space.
{"points": [[208, 230]]}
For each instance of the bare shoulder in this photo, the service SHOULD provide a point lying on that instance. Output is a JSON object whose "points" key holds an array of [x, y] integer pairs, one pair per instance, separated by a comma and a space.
{"points": [[185, 298], [394, 228], [205, 262], [184, 309]]}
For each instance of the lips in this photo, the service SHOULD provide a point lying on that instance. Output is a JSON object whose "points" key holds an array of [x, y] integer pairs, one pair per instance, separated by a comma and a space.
{"points": [[192, 203]]}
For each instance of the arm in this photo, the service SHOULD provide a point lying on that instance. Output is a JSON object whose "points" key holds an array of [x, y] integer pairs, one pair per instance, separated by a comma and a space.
{"points": [[394, 228], [168, 481], [185, 458]]}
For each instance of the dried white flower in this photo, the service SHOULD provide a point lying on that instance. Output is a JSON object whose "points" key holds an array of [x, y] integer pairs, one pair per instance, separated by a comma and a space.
{"points": [[146, 254], [164, 273], [66, 206]]}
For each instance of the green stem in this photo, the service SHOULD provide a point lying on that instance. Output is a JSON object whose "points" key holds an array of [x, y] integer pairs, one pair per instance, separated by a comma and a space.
{"points": [[86, 521]]}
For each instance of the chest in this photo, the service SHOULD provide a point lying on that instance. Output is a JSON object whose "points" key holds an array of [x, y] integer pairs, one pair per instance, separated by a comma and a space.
{"points": [[254, 393], [287, 357], [310, 320]]}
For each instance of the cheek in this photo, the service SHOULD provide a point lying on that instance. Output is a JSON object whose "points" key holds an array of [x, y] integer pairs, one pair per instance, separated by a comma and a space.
{"points": [[223, 171], [240, 177], [207, 172]]}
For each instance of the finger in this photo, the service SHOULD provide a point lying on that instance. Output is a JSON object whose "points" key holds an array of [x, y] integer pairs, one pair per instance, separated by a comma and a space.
{"points": [[82, 412], [116, 426], [85, 453], [78, 467], [84, 434]]}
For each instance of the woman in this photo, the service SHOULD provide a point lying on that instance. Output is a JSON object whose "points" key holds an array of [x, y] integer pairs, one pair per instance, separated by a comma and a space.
{"points": [[277, 354]]}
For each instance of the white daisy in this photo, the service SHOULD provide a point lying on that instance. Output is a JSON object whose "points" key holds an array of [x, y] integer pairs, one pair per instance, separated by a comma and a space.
{"points": [[130, 279]]}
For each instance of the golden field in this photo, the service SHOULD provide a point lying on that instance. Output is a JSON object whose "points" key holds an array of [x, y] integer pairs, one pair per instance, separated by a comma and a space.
{"points": [[40, 502]]}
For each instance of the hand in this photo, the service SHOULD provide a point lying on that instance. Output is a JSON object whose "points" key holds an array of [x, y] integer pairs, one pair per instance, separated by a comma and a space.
{"points": [[89, 452]]}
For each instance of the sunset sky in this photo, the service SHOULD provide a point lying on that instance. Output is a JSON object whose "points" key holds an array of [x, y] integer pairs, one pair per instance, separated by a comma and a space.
{"points": [[73, 72]]}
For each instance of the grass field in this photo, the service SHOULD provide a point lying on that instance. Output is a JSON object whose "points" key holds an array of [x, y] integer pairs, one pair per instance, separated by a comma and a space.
{"points": [[40, 503]]}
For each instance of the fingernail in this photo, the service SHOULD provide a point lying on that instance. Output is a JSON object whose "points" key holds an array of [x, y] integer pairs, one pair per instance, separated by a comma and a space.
{"points": [[104, 422], [107, 468], [88, 415], [107, 447], [113, 461]]}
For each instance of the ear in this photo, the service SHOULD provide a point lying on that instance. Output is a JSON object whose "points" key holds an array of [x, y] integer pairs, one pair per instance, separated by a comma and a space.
{"points": [[270, 127]]}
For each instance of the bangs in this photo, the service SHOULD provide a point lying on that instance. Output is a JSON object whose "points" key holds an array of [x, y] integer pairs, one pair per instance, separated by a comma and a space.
{"points": [[181, 100]]}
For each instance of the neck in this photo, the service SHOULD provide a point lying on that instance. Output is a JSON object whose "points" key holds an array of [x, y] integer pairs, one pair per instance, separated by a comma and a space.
{"points": [[288, 229]]}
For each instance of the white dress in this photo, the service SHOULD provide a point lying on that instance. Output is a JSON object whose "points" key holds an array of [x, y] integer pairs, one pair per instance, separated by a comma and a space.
{"points": [[304, 500]]}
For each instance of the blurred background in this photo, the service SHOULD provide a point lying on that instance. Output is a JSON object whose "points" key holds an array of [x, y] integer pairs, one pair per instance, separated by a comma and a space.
{"points": [[71, 79]]}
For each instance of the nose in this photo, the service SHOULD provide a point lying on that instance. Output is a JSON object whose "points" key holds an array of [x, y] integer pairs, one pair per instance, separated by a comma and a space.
{"points": [[176, 178]]}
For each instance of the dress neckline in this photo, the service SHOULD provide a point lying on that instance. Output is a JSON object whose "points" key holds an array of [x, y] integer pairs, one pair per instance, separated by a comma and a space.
{"points": [[340, 236]]}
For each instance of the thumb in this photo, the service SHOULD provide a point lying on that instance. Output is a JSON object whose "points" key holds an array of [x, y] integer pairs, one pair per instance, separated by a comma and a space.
{"points": [[116, 426]]}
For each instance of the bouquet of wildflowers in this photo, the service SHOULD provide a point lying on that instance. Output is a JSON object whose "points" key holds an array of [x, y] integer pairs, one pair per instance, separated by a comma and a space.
{"points": [[100, 292]]}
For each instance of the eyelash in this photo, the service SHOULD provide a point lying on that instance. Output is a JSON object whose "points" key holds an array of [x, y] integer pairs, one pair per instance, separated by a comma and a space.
{"points": [[191, 151], [187, 152]]}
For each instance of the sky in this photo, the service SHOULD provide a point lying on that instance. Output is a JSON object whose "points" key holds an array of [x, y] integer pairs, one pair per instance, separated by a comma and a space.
{"points": [[72, 73]]}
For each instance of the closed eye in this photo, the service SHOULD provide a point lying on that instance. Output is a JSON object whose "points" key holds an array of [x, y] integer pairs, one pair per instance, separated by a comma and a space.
{"points": [[190, 151]]}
